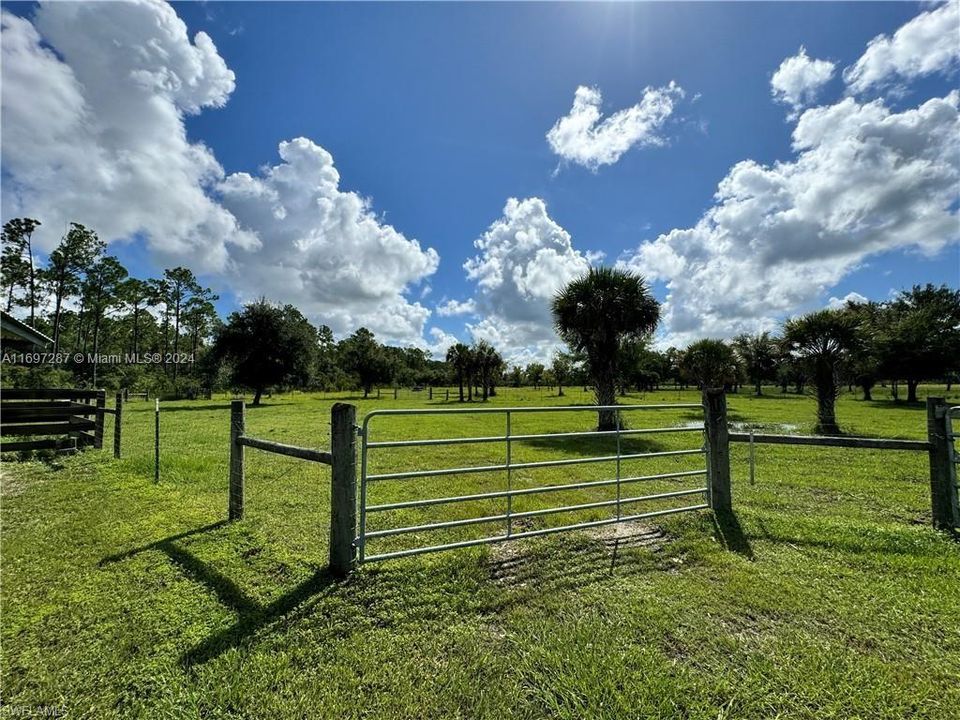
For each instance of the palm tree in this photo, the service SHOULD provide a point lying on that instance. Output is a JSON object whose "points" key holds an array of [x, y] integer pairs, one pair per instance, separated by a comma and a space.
{"points": [[756, 353], [459, 358], [709, 364], [593, 314], [488, 363], [823, 342]]}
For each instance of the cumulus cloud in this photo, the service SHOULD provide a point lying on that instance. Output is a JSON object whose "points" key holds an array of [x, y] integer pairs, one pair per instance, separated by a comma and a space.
{"points": [[837, 303], [440, 341], [864, 180], [925, 45], [94, 97], [93, 101], [524, 258], [456, 307], [584, 138], [798, 80], [323, 249]]}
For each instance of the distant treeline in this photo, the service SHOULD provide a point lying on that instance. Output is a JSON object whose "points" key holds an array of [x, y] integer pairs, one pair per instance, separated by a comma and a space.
{"points": [[86, 301]]}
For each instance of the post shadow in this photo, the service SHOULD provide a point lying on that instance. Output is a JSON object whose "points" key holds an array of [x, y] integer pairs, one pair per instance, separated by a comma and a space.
{"points": [[730, 535], [252, 615]]}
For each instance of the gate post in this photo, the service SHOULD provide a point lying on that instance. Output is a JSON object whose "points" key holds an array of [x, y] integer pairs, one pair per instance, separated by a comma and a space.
{"points": [[235, 507], [718, 449], [117, 415], [343, 488], [98, 423], [943, 494]]}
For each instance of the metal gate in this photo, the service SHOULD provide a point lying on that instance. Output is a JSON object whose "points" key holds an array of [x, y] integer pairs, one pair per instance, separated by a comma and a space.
{"points": [[952, 414], [508, 518]]}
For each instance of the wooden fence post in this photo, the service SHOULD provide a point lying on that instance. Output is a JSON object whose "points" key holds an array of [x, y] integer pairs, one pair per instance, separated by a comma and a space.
{"points": [[117, 414], [718, 449], [156, 440], [236, 460], [343, 488], [431, 393], [943, 494], [98, 427], [394, 393]]}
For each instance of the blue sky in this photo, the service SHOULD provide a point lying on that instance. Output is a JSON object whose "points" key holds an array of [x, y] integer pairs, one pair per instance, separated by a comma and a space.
{"points": [[438, 114]]}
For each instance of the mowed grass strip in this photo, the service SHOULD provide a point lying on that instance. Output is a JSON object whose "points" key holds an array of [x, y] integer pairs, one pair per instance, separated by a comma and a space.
{"points": [[827, 597]]}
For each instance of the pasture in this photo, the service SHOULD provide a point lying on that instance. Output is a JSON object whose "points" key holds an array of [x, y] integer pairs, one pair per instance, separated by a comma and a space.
{"points": [[829, 596]]}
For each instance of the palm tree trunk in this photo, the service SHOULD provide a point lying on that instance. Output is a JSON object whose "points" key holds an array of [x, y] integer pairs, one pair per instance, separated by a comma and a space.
{"points": [[826, 405], [605, 391]]}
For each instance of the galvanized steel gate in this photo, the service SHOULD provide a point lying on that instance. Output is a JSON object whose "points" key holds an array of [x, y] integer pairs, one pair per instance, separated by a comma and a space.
{"points": [[952, 414], [509, 517]]}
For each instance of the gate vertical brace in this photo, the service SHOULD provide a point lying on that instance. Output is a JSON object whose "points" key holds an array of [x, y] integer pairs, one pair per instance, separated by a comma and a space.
{"points": [[718, 449], [617, 419], [362, 535], [343, 489], [235, 505], [943, 492], [509, 482]]}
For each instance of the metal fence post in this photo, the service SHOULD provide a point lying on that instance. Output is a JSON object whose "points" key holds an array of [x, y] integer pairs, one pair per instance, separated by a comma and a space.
{"points": [[98, 427], [343, 488], [718, 449], [235, 509], [943, 495], [117, 413]]}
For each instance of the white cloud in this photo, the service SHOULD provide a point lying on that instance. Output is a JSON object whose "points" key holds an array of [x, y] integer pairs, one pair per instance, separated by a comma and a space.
{"points": [[524, 258], [94, 97], [925, 45], [440, 342], [323, 249], [455, 307], [582, 137], [798, 80], [864, 180], [93, 101], [837, 303]]}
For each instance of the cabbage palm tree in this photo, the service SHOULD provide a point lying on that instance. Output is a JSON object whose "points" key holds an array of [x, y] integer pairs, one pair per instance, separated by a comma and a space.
{"points": [[593, 314], [823, 342], [710, 364], [460, 358]]}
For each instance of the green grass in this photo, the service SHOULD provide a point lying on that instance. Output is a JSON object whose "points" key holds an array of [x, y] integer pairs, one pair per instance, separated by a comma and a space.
{"points": [[828, 596]]}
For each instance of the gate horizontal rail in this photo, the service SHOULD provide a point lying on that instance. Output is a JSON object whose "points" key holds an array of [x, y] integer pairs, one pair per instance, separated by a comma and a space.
{"points": [[509, 439]]}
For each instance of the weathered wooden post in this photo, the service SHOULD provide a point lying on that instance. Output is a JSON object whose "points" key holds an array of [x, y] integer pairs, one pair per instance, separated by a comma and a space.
{"points": [[343, 488], [98, 426], [431, 393], [117, 414], [235, 511], [156, 440], [718, 449], [943, 493], [448, 395], [394, 393]]}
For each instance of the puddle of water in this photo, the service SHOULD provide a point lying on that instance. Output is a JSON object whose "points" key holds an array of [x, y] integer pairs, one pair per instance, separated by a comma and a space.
{"points": [[776, 428]]}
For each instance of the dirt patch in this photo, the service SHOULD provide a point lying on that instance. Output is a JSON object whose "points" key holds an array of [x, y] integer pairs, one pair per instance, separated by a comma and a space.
{"points": [[627, 535]]}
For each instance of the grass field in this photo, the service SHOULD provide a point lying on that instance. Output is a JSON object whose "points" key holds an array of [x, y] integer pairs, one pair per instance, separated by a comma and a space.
{"points": [[829, 596]]}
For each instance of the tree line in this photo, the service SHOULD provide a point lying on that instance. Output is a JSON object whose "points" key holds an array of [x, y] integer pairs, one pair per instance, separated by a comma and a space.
{"points": [[86, 301]]}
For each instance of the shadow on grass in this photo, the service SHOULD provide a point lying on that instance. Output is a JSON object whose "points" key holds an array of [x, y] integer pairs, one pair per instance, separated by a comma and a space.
{"points": [[730, 534], [596, 446], [252, 615]]}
